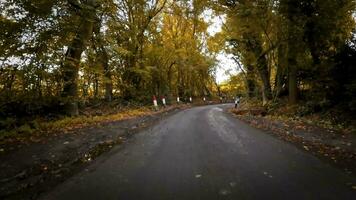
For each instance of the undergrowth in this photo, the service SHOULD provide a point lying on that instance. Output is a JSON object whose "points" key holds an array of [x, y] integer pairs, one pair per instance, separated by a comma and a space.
{"points": [[312, 114], [42, 126]]}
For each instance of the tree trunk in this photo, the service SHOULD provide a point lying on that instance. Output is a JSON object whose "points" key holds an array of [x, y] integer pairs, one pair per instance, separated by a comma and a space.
{"points": [[293, 88], [96, 85], [293, 37], [107, 75], [250, 81], [71, 63], [262, 67], [264, 75], [169, 78], [180, 89], [281, 72], [292, 72]]}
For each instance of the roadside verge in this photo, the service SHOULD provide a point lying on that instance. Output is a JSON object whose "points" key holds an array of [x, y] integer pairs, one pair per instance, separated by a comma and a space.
{"points": [[336, 148], [35, 167]]}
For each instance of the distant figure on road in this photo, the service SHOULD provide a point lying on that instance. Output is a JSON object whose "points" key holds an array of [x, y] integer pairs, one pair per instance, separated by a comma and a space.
{"points": [[237, 101]]}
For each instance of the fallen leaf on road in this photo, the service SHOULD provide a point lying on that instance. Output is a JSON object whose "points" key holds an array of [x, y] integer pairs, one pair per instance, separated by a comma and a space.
{"points": [[224, 192], [306, 148], [198, 176], [66, 142]]}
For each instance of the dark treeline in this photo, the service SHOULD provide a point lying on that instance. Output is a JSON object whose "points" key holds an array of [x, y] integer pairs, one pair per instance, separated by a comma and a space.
{"points": [[57, 56], [301, 49]]}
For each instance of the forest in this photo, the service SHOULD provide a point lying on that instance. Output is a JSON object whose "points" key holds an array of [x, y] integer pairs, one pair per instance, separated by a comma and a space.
{"points": [[58, 57]]}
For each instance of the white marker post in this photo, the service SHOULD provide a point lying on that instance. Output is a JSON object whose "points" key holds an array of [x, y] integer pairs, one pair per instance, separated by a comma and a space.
{"points": [[190, 99], [178, 100], [155, 103], [164, 101], [204, 99]]}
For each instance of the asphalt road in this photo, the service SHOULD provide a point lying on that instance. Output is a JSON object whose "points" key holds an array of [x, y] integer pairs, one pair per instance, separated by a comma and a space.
{"points": [[205, 153]]}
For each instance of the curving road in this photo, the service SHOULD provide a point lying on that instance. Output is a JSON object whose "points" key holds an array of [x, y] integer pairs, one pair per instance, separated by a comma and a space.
{"points": [[205, 153]]}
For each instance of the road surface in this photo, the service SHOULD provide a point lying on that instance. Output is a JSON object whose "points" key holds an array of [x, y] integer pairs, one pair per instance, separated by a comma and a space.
{"points": [[205, 153]]}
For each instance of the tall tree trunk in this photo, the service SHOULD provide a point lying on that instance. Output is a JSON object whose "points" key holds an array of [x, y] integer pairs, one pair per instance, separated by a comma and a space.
{"points": [[108, 83], [292, 79], [169, 78], [96, 85], [71, 63], [292, 73], [104, 61], [281, 72], [262, 67], [180, 83], [250, 81], [292, 51]]}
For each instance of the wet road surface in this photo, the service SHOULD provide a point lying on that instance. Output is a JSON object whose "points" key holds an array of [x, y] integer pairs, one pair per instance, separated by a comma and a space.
{"points": [[205, 153]]}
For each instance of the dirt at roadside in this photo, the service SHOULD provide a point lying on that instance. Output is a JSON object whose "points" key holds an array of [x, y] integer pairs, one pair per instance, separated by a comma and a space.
{"points": [[27, 170], [337, 148]]}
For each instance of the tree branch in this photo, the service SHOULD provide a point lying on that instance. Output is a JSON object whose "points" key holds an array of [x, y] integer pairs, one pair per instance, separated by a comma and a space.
{"points": [[239, 65], [75, 4]]}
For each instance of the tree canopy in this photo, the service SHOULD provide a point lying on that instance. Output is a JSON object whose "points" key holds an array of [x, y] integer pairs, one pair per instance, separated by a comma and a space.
{"points": [[58, 55], [294, 48], [68, 52]]}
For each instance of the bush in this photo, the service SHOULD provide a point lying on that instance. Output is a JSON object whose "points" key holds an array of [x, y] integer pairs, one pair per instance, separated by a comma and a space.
{"points": [[8, 123], [25, 129]]}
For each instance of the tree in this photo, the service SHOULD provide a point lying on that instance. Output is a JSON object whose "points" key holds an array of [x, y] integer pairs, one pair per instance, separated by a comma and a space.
{"points": [[87, 14], [289, 43], [249, 33]]}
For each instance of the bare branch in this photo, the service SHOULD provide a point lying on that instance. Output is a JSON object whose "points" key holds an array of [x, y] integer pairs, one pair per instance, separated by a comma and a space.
{"points": [[237, 61]]}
